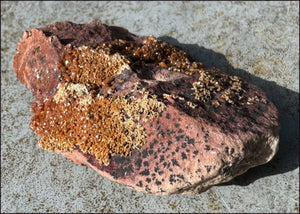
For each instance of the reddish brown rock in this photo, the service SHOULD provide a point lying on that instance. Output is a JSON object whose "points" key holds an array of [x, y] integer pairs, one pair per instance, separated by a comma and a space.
{"points": [[139, 111]]}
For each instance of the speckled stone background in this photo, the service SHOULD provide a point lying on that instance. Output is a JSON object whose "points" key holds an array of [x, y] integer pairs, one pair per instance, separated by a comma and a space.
{"points": [[257, 41]]}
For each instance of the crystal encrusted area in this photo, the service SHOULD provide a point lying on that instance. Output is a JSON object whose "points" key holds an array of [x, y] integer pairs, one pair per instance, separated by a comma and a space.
{"points": [[98, 125], [85, 113]]}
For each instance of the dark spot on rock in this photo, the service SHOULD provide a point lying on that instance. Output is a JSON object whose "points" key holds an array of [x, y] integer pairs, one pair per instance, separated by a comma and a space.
{"points": [[114, 175], [156, 169], [198, 170], [42, 59], [183, 155], [168, 115], [226, 149], [147, 188], [187, 150], [148, 180], [177, 138], [191, 141], [180, 131], [139, 154], [174, 162], [177, 125], [162, 133], [151, 145], [162, 158], [177, 149], [173, 153], [208, 168], [170, 143], [145, 172], [90, 160], [146, 163], [138, 163], [207, 148], [158, 183], [165, 164], [161, 172], [183, 145], [172, 178], [150, 152], [206, 135], [158, 150], [145, 153], [140, 184], [232, 151], [180, 176]]}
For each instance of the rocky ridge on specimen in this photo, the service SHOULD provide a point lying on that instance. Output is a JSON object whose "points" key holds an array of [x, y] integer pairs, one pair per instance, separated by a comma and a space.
{"points": [[140, 111]]}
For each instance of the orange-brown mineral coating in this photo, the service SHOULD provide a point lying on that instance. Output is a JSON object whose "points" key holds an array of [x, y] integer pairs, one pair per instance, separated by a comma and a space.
{"points": [[98, 125], [88, 65], [95, 128], [85, 64], [154, 51], [101, 125]]}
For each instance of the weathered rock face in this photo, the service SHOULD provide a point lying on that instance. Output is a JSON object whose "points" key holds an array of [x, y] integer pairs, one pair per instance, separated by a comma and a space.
{"points": [[139, 111]]}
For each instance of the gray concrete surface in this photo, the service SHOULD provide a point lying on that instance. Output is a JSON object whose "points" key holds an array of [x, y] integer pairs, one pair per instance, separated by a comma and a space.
{"points": [[257, 41]]}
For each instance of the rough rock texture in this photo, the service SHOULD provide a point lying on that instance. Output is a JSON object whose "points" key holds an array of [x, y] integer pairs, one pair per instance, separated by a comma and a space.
{"points": [[139, 111]]}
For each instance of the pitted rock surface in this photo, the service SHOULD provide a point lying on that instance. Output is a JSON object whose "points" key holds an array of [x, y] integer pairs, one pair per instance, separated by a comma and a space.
{"points": [[139, 111]]}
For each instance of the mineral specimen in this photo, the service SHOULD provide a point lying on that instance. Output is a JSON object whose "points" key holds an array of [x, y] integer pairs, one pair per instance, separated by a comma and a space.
{"points": [[139, 111]]}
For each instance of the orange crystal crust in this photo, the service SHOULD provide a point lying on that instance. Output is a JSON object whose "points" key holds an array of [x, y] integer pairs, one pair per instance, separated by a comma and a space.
{"points": [[102, 125]]}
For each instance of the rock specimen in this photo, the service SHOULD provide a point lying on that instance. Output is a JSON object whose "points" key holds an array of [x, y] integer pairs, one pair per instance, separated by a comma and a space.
{"points": [[139, 111]]}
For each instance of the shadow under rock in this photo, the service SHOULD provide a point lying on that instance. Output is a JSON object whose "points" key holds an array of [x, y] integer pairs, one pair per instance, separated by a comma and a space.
{"points": [[286, 101]]}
